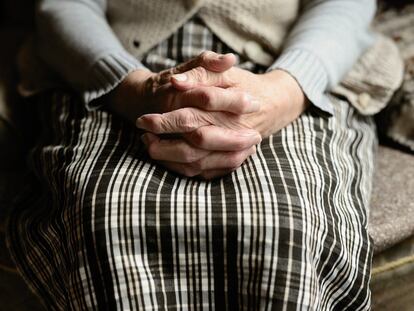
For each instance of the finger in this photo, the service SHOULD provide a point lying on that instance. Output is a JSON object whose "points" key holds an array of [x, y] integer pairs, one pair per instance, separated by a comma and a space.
{"points": [[223, 160], [200, 76], [195, 125], [217, 99], [208, 60], [215, 165], [222, 139], [175, 150], [177, 121]]}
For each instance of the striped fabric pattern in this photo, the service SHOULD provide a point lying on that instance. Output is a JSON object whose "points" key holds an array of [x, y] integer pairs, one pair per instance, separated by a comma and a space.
{"points": [[102, 227]]}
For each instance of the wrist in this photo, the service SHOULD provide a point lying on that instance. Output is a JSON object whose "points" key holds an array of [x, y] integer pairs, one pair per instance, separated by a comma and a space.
{"points": [[124, 100], [284, 101], [285, 82]]}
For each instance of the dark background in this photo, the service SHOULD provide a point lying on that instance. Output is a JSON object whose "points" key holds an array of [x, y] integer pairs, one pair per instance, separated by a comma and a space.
{"points": [[16, 13]]}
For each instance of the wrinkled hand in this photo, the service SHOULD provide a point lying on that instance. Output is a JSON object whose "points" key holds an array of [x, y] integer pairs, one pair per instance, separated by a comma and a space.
{"points": [[143, 91], [206, 134], [147, 92], [278, 95], [180, 156]]}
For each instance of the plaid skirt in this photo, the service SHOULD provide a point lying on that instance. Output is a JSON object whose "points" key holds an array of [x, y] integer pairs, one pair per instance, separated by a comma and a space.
{"points": [[101, 227]]}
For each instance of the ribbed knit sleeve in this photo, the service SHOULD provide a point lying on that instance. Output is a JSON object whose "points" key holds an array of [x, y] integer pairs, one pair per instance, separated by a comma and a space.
{"points": [[105, 74], [75, 40], [325, 43]]}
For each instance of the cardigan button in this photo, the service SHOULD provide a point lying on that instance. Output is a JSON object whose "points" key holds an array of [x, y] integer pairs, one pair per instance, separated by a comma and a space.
{"points": [[255, 52], [364, 99], [136, 43]]}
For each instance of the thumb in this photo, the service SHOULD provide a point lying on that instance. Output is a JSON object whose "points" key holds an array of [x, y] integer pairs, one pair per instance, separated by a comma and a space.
{"points": [[210, 61], [218, 62], [198, 77]]}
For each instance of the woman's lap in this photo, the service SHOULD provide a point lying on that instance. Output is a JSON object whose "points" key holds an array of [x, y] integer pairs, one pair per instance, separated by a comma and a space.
{"points": [[113, 229]]}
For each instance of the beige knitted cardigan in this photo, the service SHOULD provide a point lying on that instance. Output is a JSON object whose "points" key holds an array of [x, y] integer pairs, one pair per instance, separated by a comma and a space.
{"points": [[242, 24]]}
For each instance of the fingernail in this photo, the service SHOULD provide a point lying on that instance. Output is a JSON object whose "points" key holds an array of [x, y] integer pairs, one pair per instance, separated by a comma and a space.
{"points": [[180, 77], [225, 55]]}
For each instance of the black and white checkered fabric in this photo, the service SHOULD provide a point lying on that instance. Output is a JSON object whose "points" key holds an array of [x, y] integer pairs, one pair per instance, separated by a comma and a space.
{"points": [[101, 227]]}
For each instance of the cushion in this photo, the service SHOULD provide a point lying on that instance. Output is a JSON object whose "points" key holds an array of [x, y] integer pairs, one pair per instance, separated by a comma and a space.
{"points": [[396, 122], [392, 204]]}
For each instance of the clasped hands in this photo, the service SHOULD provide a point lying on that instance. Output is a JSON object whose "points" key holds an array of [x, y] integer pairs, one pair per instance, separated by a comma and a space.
{"points": [[217, 112]]}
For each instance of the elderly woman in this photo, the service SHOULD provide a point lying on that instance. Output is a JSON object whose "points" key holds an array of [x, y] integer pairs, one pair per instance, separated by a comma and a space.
{"points": [[200, 155]]}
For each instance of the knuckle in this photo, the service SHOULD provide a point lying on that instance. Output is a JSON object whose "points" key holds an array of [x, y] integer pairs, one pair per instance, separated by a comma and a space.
{"points": [[163, 126], [151, 85], [154, 125], [243, 103], [186, 122], [199, 74], [228, 78], [164, 76], [173, 123], [205, 56], [241, 107], [190, 155]]}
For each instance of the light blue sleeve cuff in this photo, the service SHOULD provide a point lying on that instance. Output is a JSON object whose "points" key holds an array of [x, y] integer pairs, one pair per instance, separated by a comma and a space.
{"points": [[309, 72], [106, 74]]}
